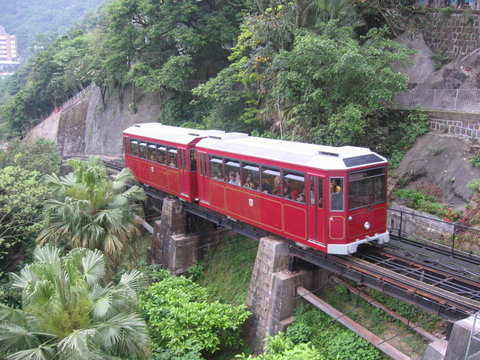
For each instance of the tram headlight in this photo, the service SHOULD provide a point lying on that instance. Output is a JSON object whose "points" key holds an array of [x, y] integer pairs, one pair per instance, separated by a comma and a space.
{"points": [[366, 226]]}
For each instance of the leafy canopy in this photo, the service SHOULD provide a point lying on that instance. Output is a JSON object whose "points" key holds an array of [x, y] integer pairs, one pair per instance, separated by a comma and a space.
{"points": [[21, 198]]}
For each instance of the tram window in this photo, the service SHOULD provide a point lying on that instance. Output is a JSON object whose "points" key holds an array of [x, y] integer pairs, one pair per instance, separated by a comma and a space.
{"points": [[366, 187], [193, 160], [232, 171], [319, 194], [172, 157], [336, 194], [142, 150], [250, 178], [134, 147], [294, 185], [162, 154], [152, 152], [271, 181], [216, 168]]}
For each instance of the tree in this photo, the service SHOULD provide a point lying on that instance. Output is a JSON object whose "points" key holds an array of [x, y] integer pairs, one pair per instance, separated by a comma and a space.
{"points": [[38, 155], [21, 203], [331, 87], [67, 313], [90, 211]]}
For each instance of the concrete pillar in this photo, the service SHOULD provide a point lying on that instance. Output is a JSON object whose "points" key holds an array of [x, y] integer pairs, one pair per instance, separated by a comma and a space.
{"points": [[272, 295], [171, 223], [458, 342], [172, 248], [455, 348]]}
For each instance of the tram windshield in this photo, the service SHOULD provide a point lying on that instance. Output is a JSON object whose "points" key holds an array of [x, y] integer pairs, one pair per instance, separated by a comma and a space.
{"points": [[366, 187]]}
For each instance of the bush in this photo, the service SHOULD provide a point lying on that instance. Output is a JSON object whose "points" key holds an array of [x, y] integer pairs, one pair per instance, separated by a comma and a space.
{"points": [[180, 316], [474, 185], [475, 161], [419, 201], [280, 347]]}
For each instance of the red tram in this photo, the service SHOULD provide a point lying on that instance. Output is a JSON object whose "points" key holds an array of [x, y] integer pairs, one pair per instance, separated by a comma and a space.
{"points": [[329, 198]]}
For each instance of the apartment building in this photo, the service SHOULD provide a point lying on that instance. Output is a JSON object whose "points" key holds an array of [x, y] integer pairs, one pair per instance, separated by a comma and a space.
{"points": [[8, 47]]}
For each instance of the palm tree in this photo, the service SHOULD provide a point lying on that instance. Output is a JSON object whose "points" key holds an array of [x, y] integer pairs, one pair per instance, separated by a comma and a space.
{"points": [[67, 314], [90, 211]]}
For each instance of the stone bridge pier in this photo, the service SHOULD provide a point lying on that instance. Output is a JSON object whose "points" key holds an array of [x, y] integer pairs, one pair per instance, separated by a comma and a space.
{"points": [[174, 248]]}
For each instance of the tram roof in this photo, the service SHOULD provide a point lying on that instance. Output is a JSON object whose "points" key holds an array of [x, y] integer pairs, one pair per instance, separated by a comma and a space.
{"points": [[159, 132], [311, 155]]}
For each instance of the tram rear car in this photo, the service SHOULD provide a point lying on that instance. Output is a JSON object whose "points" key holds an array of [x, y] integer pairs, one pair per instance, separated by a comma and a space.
{"points": [[330, 198], [164, 157]]}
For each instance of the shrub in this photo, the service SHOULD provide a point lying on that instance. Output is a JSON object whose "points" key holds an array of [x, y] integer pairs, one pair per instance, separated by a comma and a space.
{"points": [[474, 185], [280, 347], [419, 201], [348, 346], [475, 161], [180, 316]]}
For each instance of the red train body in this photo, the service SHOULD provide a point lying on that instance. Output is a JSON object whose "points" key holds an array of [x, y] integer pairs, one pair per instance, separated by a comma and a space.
{"points": [[328, 198]]}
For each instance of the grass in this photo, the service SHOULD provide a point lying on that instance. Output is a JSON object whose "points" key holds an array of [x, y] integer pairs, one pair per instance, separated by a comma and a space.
{"points": [[227, 270], [384, 326]]}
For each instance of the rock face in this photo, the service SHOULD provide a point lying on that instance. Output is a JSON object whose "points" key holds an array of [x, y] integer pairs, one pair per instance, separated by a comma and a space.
{"points": [[440, 160], [90, 128]]}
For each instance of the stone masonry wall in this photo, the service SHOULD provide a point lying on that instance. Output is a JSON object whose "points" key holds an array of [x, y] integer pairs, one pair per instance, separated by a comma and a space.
{"points": [[454, 33], [463, 129], [463, 125]]}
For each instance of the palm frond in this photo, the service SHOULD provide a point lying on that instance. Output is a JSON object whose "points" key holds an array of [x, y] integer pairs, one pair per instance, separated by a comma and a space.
{"points": [[77, 343], [48, 254], [14, 338], [14, 316], [93, 264], [126, 333], [41, 352]]}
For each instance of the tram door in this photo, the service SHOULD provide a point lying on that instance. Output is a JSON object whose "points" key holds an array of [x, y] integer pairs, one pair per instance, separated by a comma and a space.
{"points": [[183, 166], [203, 178], [316, 215]]}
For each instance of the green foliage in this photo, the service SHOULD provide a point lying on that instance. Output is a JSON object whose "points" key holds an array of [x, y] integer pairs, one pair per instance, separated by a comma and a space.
{"points": [[179, 314], [440, 59], [474, 185], [21, 199], [232, 259], [403, 134], [91, 211], [419, 201], [39, 155], [280, 347], [475, 161], [348, 346], [319, 85], [68, 313], [327, 335], [446, 11]]}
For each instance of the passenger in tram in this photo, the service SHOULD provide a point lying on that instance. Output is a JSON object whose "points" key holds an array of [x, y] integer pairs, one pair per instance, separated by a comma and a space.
{"points": [[266, 186], [172, 162], [294, 195], [335, 188], [249, 182], [234, 179]]}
